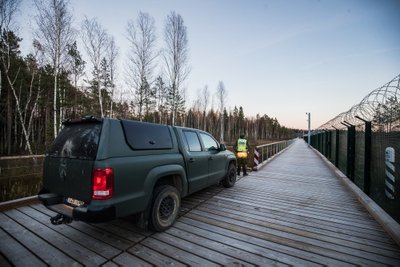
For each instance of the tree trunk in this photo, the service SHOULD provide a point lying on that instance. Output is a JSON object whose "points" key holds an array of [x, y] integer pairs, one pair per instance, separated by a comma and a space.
{"points": [[17, 104], [100, 100], [9, 121], [222, 127], [55, 105]]}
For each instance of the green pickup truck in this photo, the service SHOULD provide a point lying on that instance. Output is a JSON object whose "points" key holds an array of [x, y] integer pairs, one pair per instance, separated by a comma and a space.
{"points": [[100, 169]]}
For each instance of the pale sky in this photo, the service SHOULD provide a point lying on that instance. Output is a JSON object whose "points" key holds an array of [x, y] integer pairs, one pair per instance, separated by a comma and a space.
{"points": [[280, 58]]}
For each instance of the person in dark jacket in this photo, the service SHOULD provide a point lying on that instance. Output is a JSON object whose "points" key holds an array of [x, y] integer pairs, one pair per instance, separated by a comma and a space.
{"points": [[241, 148]]}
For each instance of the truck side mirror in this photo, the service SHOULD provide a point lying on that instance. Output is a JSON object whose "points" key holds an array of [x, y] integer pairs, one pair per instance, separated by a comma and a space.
{"points": [[222, 147]]}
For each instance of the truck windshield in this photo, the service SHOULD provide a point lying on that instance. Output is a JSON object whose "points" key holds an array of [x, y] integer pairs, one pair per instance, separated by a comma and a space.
{"points": [[78, 140]]}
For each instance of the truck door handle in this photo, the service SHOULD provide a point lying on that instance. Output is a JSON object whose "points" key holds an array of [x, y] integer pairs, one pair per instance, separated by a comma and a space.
{"points": [[191, 160]]}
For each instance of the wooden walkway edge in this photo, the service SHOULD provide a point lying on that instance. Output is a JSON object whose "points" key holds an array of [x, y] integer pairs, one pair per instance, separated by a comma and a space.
{"points": [[388, 223], [293, 211]]}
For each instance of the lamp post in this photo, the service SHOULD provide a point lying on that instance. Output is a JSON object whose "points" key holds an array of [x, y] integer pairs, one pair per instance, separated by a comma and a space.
{"points": [[309, 127]]}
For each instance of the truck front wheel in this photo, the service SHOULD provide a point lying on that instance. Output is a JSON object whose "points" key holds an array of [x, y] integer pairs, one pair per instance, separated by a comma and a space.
{"points": [[230, 178], [165, 207]]}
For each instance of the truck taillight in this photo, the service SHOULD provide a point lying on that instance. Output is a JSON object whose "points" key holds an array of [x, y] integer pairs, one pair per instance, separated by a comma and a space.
{"points": [[102, 183]]}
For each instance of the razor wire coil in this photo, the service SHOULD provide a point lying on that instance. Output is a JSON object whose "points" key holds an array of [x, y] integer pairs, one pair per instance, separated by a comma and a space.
{"points": [[381, 107]]}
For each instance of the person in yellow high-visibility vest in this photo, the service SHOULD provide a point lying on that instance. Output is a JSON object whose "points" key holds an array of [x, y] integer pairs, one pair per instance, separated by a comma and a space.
{"points": [[241, 148]]}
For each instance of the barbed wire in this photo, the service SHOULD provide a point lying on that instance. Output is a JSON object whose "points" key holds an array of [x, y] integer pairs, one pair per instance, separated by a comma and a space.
{"points": [[381, 105]]}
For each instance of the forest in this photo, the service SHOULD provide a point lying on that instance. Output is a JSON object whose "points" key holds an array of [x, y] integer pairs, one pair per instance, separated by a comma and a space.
{"points": [[72, 72]]}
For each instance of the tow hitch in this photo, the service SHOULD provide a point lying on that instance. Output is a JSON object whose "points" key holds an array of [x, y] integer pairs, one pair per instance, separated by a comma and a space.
{"points": [[60, 219]]}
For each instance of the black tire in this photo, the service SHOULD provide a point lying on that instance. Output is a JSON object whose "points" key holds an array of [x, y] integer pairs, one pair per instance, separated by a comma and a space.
{"points": [[165, 207], [230, 178]]}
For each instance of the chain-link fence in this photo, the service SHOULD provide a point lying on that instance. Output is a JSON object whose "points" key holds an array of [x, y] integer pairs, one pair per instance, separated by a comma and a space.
{"points": [[364, 143]]}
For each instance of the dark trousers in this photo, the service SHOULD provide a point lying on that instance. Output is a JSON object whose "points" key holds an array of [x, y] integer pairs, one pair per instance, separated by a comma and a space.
{"points": [[242, 162]]}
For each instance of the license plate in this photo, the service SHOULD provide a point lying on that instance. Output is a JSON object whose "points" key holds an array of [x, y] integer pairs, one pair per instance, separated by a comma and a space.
{"points": [[74, 202]]}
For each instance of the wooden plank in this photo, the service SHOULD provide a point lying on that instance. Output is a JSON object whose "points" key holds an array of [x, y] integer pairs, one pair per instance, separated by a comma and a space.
{"points": [[287, 240], [74, 250], [128, 223], [258, 246], [3, 261], [225, 246], [153, 256], [299, 190], [130, 235], [176, 253], [31, 242], [43, 209], [328, 192], [21, 157], [81, 238], [115, 241], [298, 223], [352, 206], [197, 198], [290, 198], [126, 259], [16, 253], [296, 212], [110, 264], [307, 206], [12, 204], [202, 251], [307, 233], [281, 179], [119, 233]]}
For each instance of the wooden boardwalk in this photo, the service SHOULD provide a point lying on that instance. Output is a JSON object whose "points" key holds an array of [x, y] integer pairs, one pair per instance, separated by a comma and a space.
{"points": [[294, 211]]}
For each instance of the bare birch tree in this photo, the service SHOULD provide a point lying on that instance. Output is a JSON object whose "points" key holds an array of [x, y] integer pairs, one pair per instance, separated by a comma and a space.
{"points": [[34, 62], [141, 59], [8, 8], [10, 52], [221, 98], [55, 32], [112, 55], [96, 42], [204, 98], [176, 61]]}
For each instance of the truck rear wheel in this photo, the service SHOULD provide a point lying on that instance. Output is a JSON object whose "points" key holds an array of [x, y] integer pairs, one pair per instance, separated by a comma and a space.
{"points": [[230, 178], [165, 207]]}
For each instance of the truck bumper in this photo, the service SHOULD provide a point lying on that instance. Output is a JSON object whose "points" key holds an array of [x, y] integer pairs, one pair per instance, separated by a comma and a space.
{"points": [[85, 213]]}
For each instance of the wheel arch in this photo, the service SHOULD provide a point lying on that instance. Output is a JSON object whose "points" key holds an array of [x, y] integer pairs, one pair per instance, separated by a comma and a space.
{"points": [[173, 175]]}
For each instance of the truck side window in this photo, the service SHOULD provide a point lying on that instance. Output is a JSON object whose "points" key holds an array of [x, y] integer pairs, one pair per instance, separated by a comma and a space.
{"points": [[142, 135], [209, 142], [192, 141]]}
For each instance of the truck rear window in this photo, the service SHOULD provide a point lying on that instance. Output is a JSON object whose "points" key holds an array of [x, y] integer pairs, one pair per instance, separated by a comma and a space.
{"points": [[143, 136], [77, 140]]}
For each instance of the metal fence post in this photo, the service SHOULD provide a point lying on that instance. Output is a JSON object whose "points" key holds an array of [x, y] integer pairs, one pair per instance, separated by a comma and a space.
{"points": [[337, 148], [351, 155], [329, 145], [367, 158]]}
